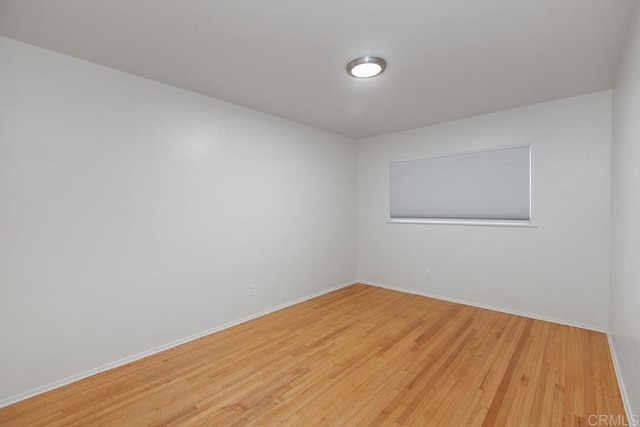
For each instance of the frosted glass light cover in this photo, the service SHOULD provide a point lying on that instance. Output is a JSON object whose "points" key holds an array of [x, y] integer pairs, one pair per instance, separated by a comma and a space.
{"points": [[366, 70]]}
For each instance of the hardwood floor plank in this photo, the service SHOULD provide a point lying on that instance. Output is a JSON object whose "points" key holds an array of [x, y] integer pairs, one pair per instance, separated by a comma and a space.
{"points": [[357, 356]]}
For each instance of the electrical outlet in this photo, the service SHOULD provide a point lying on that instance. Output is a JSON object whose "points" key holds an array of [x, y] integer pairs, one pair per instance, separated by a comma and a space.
{"points": [[252, 290], [427, 273]]}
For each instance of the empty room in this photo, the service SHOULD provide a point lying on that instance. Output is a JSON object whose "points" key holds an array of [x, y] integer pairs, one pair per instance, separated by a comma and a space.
{"points": [[420, 213]]}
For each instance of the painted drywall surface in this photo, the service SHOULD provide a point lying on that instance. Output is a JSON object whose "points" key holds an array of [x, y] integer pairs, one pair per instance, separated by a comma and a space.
{"points": [[133, 214], [625, 214], [558, 270]]}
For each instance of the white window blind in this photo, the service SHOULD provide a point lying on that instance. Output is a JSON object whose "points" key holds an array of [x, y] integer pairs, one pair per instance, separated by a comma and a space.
{"points": [[489, 185]]}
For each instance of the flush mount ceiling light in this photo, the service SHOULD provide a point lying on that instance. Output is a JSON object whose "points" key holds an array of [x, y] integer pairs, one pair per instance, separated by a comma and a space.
{"points": [[366, 66]]}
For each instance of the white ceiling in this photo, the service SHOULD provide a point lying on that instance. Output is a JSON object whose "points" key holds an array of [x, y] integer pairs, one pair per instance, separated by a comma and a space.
{"points": [[447, 59]]}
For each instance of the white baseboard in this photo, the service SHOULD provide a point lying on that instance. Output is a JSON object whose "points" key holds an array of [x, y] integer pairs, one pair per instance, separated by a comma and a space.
{"points": [[488, 307], [56, 384], [623, 391]]}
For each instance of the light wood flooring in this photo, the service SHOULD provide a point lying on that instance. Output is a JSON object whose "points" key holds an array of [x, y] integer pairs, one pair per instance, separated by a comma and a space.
{"points": [[358, 356]]}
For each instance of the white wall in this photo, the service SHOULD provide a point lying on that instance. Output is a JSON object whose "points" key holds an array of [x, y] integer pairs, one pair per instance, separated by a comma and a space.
{"points": [[133, 214], [625, 214], [559, 270]]}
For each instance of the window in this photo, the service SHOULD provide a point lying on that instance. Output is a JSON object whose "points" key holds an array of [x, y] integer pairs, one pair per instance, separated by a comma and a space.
{"points": [[491, 186]]}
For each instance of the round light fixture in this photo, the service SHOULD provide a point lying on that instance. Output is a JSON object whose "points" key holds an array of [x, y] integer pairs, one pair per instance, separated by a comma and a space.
{"points": [[366, 66]]}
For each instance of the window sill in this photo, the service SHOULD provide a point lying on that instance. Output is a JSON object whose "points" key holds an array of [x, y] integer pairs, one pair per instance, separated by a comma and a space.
{"points": [[525, 224]]}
